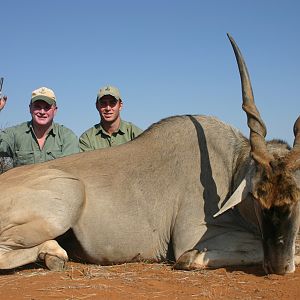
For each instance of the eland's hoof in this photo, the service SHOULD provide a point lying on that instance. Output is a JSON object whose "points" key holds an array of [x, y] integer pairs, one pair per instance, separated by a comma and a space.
{"points": [[54, 263]]}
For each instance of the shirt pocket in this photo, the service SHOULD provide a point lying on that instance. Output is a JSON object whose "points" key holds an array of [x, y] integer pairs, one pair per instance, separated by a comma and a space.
{"points": [[54, 154], [23, 158]]}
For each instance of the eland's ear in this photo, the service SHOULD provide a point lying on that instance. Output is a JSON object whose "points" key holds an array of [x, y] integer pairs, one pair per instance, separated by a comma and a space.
{"points": [[236, 198]]}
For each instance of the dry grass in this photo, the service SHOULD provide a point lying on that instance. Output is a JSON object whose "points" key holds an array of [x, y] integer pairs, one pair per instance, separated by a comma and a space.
{"points": [[145, 281]]}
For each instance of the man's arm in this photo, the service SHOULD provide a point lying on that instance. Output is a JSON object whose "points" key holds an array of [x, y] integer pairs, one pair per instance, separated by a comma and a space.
{"points": [[70, 145], [135, 131], [84, 143]]}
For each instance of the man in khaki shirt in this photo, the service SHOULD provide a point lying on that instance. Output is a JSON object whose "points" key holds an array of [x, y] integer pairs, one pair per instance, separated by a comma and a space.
{"points": [[40, 139], [112, 130]]}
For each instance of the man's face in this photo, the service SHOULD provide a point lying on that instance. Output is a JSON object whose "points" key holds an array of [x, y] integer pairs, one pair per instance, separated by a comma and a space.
{"points": [[42, 113], [109, 108]]}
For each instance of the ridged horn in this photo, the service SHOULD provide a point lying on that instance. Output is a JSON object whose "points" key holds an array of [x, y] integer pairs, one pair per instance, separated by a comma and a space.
{"points": [[294, 155], [297, 134], [256, 125]]}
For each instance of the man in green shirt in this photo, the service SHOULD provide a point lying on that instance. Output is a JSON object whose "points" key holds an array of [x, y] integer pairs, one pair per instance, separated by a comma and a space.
{"points": [[40, 139], [111, 131]]}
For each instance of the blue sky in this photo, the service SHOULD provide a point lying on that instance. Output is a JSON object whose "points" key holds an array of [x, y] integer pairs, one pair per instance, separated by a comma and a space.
{"points": [[167, 58]]}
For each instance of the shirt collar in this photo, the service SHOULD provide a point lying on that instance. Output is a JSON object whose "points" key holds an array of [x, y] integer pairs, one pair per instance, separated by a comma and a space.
{"points": [[121, 129], [52, 130]]}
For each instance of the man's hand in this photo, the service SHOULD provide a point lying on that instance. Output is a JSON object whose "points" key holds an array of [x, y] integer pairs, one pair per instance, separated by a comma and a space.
{"points": [[2, 102]]}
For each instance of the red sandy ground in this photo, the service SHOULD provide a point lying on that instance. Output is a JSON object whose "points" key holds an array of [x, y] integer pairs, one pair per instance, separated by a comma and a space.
{"points": [[145, 281]]}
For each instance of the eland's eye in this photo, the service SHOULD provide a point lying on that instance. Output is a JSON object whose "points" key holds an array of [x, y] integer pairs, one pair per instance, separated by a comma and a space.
{"points": [[261, 193]]}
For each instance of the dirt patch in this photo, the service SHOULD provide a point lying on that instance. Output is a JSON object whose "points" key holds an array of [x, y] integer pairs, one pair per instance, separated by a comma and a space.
{"points": [[146, 281]]}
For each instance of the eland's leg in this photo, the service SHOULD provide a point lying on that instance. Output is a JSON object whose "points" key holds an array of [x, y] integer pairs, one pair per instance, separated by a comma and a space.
{"points": [[32, 241], [195, 259], [229, 249], [40, 213], [54, 256]]}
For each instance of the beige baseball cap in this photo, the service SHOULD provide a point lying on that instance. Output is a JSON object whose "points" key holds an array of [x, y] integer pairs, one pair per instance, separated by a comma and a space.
{"points": [[43, 94], [109, 90]]}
